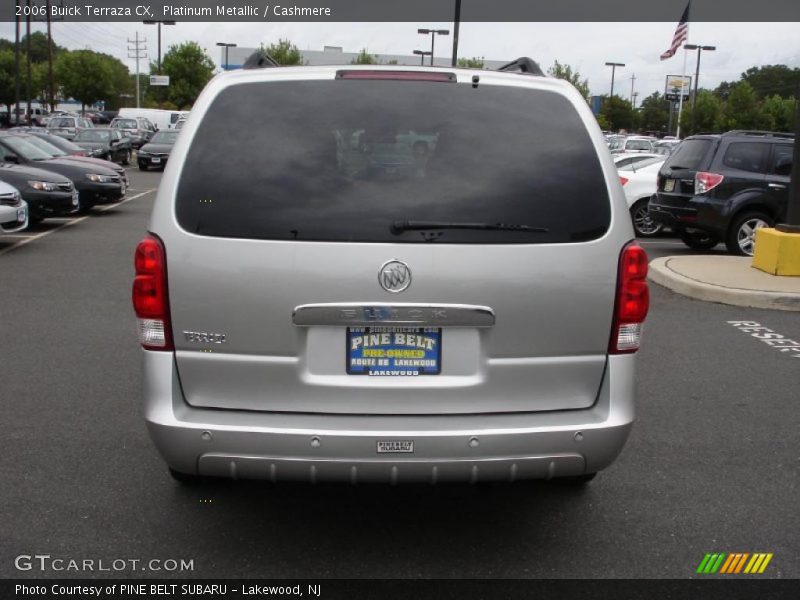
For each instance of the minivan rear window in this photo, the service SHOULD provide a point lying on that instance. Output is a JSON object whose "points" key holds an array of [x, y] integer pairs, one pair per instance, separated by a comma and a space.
{"points": [[688, 155], [347, 160]]}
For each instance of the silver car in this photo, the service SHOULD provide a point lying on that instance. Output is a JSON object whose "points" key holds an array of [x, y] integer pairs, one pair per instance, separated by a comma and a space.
{"points": [[316, 300], [13, 210]]}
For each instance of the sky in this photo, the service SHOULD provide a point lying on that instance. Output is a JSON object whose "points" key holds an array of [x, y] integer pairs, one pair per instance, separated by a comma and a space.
{"points": [[584, 46]]}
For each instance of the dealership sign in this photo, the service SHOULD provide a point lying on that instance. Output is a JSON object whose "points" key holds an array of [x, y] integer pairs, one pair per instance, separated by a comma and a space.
{"points": [[675, 84]]}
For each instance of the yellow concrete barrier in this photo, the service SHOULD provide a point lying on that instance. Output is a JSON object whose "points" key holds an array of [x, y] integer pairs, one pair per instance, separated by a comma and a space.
{"points": [[776, 252]]}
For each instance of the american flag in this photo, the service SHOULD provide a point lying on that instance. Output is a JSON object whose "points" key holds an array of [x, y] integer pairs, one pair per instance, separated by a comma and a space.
{"points": [[681, 35]]}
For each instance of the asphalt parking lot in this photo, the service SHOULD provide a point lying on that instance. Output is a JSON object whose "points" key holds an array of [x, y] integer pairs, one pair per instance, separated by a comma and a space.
{"points": [[711, 465]]}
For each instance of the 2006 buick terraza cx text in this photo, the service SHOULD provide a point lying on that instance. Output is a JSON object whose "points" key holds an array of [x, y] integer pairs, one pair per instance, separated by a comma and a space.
{"points": [[389, 274]]}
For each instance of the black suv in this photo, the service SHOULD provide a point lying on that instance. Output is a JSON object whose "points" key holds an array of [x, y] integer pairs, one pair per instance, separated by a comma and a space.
{"points": [[721, 188]]}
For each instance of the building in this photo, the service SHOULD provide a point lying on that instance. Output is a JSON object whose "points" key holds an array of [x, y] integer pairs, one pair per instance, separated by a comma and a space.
{"points": [[335, 55]]}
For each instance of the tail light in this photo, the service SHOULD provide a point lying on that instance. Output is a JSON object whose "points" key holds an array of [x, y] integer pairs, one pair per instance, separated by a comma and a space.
{"points": [[79, 154], [659, 180], [705, 182], [623, 180], [150, 300], [632, 301]]}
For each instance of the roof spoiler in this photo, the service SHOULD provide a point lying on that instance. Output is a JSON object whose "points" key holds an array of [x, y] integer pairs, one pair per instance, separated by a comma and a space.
{"points": [[524, 65], [259, 60]]}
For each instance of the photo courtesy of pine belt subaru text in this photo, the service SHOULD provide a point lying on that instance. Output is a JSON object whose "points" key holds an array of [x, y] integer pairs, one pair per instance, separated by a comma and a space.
{"points": [[389, 275]]}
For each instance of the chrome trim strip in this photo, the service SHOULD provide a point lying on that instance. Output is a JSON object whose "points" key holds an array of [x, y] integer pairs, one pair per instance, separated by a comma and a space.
{"points": [[422, 315]]}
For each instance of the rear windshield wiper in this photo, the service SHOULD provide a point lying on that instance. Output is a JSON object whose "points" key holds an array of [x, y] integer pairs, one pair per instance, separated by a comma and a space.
{"points": [[401, 226]]}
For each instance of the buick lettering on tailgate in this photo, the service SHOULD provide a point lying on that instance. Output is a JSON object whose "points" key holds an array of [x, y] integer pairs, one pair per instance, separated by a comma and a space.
{"points": [[394, 351]]}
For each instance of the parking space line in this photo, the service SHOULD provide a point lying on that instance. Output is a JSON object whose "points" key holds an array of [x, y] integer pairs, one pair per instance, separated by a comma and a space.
{"points": [[68, 223]]}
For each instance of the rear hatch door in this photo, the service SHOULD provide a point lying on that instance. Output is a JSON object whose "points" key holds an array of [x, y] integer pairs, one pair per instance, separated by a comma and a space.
{"points": [[323, 261]]}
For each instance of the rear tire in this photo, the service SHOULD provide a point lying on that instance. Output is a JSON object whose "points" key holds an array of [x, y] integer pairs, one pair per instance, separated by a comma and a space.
{"points": [[126, 160], [643, 224], [697, 240], [142, 167], [742, 232]]}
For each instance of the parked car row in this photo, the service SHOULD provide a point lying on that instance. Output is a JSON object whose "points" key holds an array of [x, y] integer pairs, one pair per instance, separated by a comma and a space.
{"points": [[53, 182]]}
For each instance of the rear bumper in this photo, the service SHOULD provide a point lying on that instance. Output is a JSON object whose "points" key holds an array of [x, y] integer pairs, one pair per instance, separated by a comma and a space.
{"points": [[696, 212], [315, 447]]}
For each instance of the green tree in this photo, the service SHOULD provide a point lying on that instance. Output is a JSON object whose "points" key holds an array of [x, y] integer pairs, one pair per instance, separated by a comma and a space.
{"points": [[618, 113], [365, 58], [189, 69], [84, 76], [782, 112], [724, 89], [284, 53], [7, 71], [771, 80], [39, 47], [565, 72], [741, 109], [705, 117], [654, 113], [471, 63]]}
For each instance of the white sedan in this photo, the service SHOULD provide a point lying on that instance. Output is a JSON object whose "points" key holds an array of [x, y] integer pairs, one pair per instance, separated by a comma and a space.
{"points": [[13, 210], [638, 179]]}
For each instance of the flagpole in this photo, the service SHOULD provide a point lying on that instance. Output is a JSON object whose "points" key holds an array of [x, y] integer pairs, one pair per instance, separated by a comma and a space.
{"points": [[683, 83]]}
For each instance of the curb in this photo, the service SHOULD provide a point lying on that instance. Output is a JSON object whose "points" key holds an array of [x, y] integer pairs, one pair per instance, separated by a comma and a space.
{"points": [[661, 273]]}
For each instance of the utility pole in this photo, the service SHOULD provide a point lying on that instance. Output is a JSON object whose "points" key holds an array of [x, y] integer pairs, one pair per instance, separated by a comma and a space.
{"points": [[613, 66], [456, 24], [633, 80], [28, 60], [139, 52], [51, 100], [16, 67]]}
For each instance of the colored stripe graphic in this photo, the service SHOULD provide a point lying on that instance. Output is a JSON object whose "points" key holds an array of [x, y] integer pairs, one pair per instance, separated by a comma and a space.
{"points": [[734, 564]]}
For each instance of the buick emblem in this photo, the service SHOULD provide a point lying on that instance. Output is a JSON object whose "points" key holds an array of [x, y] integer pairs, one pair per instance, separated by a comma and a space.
{"points": [[394, 276]]}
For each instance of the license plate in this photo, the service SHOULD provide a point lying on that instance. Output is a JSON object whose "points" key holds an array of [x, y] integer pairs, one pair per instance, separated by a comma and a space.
{"points": [[22, 214], [122, 186], [394, 351], [155, 161], [75, 198], [395, 446], [669, 185]]}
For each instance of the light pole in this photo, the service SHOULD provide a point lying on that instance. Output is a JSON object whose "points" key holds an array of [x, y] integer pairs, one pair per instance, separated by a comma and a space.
{"points": [[433, 33], [613, 66], [226, 46], [422, 55], [699, 49], [158, 22]]}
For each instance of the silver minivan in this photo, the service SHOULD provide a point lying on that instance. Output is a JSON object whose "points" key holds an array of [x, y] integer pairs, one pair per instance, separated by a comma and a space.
{"points": [[379, 273]]}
